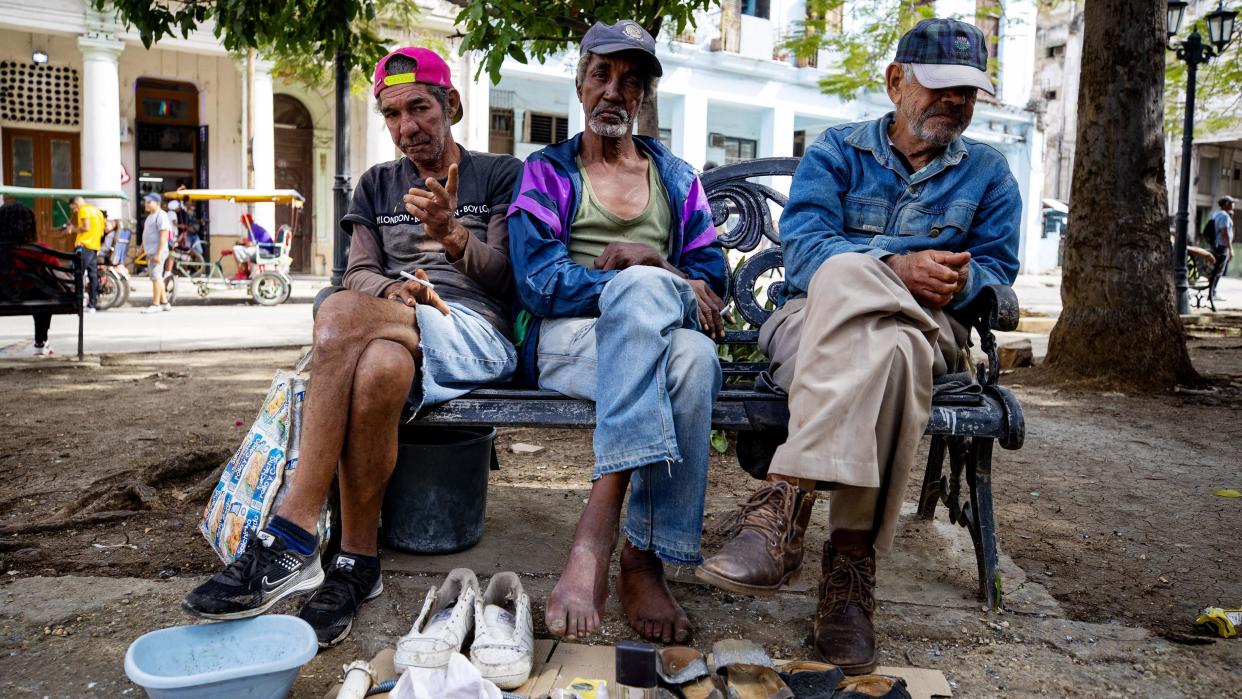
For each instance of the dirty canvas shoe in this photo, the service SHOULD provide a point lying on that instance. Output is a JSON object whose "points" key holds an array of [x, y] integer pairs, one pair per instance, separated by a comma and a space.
{"points": [[443, 625], [331, 610], [504, 633], [266, 573]]}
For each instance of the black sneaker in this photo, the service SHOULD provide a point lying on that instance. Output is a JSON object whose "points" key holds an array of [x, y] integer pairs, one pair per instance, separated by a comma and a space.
{"points": [[266, 573], [330, 611]]}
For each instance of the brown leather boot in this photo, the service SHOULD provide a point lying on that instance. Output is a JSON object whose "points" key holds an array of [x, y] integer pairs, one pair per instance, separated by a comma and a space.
{"points": [[844, 635], [766, 545]]}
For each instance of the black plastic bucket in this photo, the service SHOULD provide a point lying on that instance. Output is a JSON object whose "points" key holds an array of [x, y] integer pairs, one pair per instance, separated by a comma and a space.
{"points": [[437, 498]]}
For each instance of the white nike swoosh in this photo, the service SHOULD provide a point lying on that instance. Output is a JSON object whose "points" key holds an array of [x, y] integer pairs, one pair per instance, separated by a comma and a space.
{"points": [[268, 585]]}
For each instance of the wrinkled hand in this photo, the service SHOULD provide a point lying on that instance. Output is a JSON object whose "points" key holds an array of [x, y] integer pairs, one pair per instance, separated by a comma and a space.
{"points": [[412, 293], [932, 276], [435, 207], [623, 255], [711, 309]]}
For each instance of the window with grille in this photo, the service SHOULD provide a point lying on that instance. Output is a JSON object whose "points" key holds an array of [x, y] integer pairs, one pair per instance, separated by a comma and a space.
{"points": [[546, 128], [44, 94]]}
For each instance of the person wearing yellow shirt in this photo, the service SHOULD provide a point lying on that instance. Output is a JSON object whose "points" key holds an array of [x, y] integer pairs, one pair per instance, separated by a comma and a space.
{"points": [[88, 224]]}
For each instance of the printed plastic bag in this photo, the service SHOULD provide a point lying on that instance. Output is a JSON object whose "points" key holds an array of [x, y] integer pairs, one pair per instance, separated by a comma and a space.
{"points": [[253, 478]]}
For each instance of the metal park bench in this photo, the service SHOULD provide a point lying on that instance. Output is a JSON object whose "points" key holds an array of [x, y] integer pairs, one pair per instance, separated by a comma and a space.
{"points": [[35, 279], [967, 415]]}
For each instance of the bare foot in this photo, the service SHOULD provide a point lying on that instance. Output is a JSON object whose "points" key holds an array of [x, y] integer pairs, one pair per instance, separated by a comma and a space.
{"points": [[576, 604], [648, 603]]}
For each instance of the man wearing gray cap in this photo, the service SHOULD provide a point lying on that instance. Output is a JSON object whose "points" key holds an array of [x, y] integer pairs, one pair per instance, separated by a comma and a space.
{"points": [[616, 264], [891, 226]]}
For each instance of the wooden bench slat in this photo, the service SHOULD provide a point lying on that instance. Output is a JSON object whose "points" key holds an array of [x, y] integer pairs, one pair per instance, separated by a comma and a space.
{"points": [[734, 410]]}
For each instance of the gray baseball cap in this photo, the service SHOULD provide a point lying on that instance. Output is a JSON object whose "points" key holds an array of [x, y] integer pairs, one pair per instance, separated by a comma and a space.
{"points": [[625, 35]]}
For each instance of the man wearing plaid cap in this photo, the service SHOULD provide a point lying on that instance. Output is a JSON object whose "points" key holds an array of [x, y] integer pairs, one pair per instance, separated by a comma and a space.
{"points": [[891, 226]]}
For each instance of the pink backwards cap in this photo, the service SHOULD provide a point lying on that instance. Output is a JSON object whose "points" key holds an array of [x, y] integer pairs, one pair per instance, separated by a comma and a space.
{"points": [[429, 69]]}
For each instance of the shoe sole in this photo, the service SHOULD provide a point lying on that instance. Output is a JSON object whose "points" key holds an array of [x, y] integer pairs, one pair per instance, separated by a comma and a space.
{"points": [[742, 588], [349, 627], [509, 680], [304, 586]]}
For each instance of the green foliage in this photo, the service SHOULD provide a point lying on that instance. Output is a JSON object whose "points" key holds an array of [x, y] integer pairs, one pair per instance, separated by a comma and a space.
{"points": [[526, 31], [301, 36], [862, 52], [1218, 97]]}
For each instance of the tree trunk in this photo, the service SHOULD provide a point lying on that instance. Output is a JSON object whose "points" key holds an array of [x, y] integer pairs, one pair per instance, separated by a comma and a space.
{"points": [[1119, 326], [649, 117]]}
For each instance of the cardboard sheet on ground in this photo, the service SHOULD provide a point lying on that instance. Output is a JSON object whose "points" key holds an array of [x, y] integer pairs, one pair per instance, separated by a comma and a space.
{"points": [[557, 663]]}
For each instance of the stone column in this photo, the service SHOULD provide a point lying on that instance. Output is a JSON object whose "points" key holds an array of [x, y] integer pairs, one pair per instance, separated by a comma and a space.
{"points": [[379, 145], [577, 120], [690, 129], [776, 140], [263, 143], [474, 130], [101, 116]]}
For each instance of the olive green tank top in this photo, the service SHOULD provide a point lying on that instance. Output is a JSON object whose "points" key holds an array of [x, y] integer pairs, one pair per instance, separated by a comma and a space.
{"points": [[594, 226]]}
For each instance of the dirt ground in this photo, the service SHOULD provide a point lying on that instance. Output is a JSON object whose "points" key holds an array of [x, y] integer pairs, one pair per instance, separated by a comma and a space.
{"points": [[1110, 506]]}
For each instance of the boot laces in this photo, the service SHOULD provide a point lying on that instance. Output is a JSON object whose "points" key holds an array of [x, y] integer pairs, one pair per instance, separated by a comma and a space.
{"points": [[851, 582], [769, 511]]}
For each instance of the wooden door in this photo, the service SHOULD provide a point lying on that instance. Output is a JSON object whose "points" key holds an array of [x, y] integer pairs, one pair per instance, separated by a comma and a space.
{"points": [[44, 159], [294, 153]]}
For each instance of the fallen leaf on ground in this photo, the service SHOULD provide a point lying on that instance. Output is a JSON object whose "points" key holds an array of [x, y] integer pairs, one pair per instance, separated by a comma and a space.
{"points": [[1229, 493]]}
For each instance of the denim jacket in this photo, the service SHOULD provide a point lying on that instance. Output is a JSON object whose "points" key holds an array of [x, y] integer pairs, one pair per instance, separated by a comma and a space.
{"points": [[549, 283], [851, 193]]}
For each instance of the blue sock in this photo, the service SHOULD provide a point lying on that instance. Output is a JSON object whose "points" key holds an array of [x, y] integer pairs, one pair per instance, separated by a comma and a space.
{"points": [[294, 536]]}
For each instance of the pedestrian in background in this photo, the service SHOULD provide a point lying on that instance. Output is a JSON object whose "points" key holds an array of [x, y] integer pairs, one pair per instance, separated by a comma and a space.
{"points": [[88, 224], [1222, 242], [17, 227], [156, 231]]}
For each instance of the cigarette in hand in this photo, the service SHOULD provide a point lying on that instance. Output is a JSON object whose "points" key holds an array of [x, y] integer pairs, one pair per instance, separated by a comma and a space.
{"points": [[413, 278]]}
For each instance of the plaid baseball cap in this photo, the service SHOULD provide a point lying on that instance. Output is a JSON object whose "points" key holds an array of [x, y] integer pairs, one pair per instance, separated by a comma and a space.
{"points": [[946, 53], [626, 35], [429, 69]]}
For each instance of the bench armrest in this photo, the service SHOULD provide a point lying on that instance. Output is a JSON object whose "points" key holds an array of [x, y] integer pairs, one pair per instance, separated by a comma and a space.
{"points": [[994, 308]]}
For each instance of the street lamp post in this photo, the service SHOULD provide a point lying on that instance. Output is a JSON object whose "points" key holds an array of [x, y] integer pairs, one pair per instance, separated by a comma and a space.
{"points": [[1193, 51]]}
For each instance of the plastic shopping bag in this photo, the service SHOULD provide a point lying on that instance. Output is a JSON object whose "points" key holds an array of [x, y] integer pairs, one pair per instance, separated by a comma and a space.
{"points": [[255, 476]]}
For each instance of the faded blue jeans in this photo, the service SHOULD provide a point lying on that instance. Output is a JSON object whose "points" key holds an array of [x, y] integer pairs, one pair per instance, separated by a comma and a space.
{"points": [[653, 376]]}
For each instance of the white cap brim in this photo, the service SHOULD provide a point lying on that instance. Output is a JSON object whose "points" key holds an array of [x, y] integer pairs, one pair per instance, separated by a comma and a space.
{"points": [[939, 76]]}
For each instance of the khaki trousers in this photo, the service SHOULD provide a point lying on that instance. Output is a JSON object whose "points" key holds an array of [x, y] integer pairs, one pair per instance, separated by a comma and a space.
{"points": [[857, 357]]}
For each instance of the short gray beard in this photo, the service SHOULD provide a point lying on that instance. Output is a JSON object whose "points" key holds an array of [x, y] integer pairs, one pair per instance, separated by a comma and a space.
{"points": [[924, 132], [609, 130]]}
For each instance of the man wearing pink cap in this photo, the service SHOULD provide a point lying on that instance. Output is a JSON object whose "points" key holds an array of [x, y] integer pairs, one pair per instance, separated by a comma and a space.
{"points": [[384, 345]]}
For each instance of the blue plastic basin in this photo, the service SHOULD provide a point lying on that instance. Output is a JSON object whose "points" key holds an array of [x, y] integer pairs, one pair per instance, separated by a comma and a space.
{"points": [[252, 658]]}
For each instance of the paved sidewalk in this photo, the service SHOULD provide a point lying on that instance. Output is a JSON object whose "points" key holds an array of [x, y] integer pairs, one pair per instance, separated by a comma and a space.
{"points": [[228, 320], [223, 320]]}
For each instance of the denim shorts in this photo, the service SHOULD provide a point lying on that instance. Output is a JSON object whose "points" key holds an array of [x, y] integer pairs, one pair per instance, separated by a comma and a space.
{"points": [[461, 351], [155, 267]]}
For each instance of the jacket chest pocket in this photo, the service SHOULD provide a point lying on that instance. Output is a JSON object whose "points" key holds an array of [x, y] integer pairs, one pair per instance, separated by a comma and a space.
{"points": [[865, 218], [953, 221]]}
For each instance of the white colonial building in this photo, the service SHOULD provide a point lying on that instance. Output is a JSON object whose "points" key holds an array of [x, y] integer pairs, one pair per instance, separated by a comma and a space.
{"points": [[86, 105]]}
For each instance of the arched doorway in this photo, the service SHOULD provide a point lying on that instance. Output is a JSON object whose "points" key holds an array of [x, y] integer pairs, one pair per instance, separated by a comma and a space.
{"points": [[295, 170]]}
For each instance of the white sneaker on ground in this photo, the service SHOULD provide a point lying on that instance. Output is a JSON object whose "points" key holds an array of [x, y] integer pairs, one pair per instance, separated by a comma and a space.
{"points": [[44, 351], [504, 634], [442, 626], [153, 309], [88, 309], [165, 306]]}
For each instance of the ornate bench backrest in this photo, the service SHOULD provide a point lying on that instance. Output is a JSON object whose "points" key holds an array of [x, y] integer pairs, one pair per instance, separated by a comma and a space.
{"points": [[744, 205]]}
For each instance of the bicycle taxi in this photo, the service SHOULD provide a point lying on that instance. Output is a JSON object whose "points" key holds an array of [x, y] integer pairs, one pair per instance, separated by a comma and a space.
{"points": [[266, 278]]}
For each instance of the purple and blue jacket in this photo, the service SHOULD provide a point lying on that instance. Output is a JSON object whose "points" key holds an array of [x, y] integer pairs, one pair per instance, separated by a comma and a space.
{"points": [[549, 283]]}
